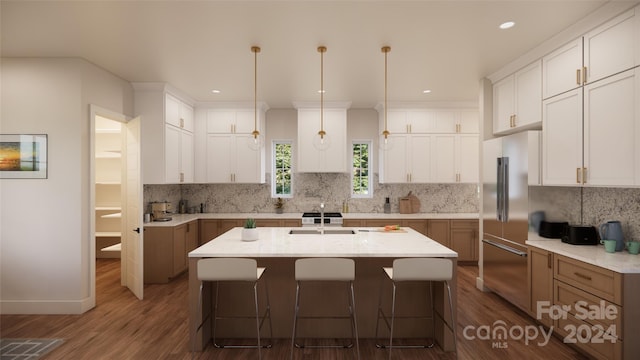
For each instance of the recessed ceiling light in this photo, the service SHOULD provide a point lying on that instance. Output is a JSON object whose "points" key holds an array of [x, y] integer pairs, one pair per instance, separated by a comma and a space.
{"points": [[215, 91], [426, 91], [507, 25]]}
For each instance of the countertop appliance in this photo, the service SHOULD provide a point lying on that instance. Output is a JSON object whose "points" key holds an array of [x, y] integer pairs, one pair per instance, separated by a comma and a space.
{"points": [[505, 212], [160, 211], [580, 235], [314, 219]]}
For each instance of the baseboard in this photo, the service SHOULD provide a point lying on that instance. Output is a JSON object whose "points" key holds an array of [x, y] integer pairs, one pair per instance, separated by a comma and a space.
{"points": [[45, 307]]}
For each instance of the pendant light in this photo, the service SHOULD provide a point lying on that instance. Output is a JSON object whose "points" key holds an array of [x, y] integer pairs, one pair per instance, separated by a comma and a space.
{"points": [[255, 141], [385, 141], [322, 141]]}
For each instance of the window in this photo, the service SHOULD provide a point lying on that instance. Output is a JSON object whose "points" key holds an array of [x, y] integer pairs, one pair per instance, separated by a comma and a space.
{"points": [[281, 172], [360, 171]]}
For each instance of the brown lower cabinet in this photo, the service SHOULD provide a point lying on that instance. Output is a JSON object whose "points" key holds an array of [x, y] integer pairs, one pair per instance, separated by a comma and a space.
{"points": [[166, 249], [600, 307], [212, 228], [459, 235]]}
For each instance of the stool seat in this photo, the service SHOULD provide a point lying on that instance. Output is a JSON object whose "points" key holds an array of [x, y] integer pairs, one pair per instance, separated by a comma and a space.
{"points": [[412, 270], [234, 270], [325, 269]]}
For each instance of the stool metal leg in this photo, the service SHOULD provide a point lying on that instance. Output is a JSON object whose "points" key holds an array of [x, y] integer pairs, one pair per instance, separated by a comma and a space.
{"points": [[354, 323], [453, 324], [295, 317], [255, 297]]}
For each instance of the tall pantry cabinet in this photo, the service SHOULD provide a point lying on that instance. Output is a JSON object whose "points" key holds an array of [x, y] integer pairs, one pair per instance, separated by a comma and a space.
{"points": [[591, 116]]}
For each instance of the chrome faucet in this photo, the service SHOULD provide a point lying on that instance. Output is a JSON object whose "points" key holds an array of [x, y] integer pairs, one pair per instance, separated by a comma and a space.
{"points": [[322, 218]]}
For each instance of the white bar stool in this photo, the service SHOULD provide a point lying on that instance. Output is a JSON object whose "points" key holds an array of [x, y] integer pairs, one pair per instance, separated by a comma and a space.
{"points": [[417, 269], [237, 270], [326, 269]]}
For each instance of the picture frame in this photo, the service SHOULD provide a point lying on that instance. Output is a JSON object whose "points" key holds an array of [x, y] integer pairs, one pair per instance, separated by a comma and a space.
{"points": [[23, 156]]}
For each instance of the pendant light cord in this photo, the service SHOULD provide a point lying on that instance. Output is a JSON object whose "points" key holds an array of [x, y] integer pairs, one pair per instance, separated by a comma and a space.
{"points": [[322, 50], [385, 50], [255, 50]]}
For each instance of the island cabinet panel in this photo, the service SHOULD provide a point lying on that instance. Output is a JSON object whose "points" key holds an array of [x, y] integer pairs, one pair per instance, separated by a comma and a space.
{"points": [[419, 225]]}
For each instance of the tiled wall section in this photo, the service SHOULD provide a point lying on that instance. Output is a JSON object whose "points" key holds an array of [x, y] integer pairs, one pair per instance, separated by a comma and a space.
{"points": [[590, 206], [310, 190]]}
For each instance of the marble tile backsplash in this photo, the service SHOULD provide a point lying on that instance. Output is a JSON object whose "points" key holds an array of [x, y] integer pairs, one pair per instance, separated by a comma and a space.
{"points": [[310, 189], [585, 206], [589, 206]]}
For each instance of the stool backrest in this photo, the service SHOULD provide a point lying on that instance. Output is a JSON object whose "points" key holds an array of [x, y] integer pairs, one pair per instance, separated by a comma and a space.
{"points": [[227, 269], [434, 269], [330, 269]]}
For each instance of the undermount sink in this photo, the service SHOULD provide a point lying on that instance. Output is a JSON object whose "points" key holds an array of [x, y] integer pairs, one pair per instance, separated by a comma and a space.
{"points": [[317, 232]]}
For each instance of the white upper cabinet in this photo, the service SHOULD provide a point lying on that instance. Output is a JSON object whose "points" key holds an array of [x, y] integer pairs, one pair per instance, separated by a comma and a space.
{"points": [[167, 130], [455, 158], [613, 47], [607, 50], [230, 156], [233, 121], [562, 69], [178, 114], [434, 145], [312, 158], [612, 130], [595, 142], [517, 100]]}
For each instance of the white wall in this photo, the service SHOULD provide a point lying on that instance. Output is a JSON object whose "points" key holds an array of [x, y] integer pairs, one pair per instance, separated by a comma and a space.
{"points": [[44, 237]]}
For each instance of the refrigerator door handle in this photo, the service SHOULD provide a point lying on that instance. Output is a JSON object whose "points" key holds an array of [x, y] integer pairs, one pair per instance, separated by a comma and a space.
{"points": [[499, 192], [505, 248], [505, 189]]}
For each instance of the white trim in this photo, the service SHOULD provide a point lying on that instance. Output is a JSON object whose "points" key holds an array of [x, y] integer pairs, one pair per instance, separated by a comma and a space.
{"points": [[273, 167], [369, 142]]}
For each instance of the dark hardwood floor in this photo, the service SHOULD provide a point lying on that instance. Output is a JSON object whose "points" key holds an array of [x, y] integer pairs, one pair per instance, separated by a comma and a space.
{"points": [[122, 327]]}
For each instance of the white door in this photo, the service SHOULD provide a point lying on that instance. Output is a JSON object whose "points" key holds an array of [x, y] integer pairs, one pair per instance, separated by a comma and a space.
{"points": [[562, 69], [220, 155], [503, 104], [394, 163], [420, 158], [467, 158], [132, 232], [528, 99], [445, 165]]}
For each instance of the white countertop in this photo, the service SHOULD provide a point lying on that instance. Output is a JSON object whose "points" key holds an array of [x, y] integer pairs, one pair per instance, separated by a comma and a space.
{"points": [[179, 219], [277, 242], [621, 262]]}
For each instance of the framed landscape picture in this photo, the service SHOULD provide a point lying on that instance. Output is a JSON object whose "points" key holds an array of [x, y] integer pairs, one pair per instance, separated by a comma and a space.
{"points": [[23, 156]]}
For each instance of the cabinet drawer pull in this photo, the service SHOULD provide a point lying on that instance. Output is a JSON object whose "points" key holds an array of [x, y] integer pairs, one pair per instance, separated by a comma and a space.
{"points": [[549, 260], [582, 276], [578, 175], [584, 175], [584, 75]]}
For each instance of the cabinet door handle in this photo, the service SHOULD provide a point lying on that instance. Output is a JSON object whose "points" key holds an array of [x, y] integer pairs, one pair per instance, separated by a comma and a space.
{"points": [[578, 77], [181, 177], [514, 121], [181, 123], [584, 75], [578, 175], [584, 175], [549, 260]]}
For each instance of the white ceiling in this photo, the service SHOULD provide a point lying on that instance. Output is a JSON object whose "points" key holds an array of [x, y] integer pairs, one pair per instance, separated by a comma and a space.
{"points": [[197, 46]]}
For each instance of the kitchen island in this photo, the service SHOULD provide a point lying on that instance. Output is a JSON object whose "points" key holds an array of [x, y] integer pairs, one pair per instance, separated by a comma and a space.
{"points": [[277, 250]]}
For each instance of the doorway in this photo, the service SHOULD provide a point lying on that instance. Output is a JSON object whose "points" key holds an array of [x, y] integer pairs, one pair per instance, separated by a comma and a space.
{"points": [[116, 199]]}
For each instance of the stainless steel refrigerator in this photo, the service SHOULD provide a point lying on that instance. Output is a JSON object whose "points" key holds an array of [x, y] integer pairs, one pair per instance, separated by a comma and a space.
{"points": [[510, 166]]}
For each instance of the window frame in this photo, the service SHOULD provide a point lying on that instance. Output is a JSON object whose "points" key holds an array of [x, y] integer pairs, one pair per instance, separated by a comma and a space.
{"points": [[274, 144], [369, 144]]}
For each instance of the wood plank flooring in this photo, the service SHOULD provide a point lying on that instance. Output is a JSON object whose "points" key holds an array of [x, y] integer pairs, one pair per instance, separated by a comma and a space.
{"points": [[122, 327]]}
